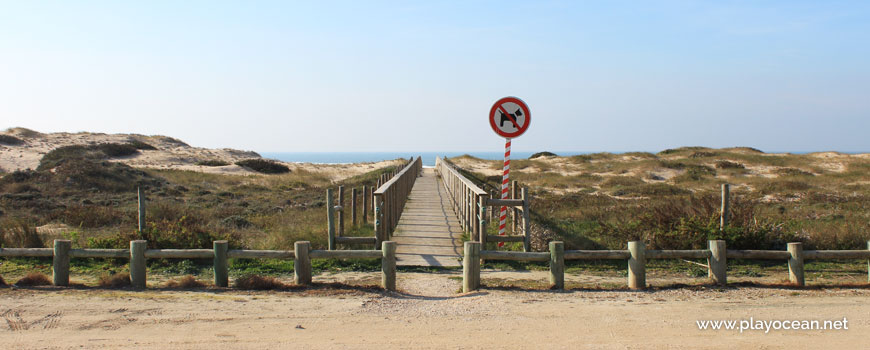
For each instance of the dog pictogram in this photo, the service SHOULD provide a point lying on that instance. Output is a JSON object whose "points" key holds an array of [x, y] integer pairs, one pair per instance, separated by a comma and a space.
{"points": [[504, 118]]}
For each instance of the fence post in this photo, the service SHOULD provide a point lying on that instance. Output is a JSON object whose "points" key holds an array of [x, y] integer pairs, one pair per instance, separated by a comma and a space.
{"points": [[141, 197], [481, 200], [302, 263], [330, 219], [365, 205], [637, 265], [868, 263], [341, 211], [726, 206], [221, 278], [353, 206], [796, 263], [471, 267], [137, 263], [527, 221], [60, 263], [513, 210], [717, 263], [378, 222], [557, 265], [388, 265]]}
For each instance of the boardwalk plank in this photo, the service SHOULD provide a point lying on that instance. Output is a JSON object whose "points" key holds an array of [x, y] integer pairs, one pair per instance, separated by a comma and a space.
{"points": [[428, 233]]}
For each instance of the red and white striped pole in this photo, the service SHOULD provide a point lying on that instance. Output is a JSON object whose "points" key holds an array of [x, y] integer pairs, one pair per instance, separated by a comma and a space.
{"points": [[505, 184]]}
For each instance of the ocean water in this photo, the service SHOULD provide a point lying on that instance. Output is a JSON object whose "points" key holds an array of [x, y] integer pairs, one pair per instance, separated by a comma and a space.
{"points": [[358, 157]]}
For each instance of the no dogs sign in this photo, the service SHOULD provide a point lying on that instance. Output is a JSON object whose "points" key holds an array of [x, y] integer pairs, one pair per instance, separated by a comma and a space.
{"points": [[509, 117]]}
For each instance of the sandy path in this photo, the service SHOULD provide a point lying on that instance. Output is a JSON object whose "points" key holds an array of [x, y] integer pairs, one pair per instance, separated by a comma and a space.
{"points": [[428, 314]]}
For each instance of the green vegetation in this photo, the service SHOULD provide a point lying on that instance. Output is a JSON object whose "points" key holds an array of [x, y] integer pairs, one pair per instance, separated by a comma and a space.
{"points": [[264, 166], [10, 140], [671, 200], [542, 154], [212, 162]]}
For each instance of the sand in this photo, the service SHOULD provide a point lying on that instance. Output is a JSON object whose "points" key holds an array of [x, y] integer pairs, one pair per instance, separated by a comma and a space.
{"points": [[428, 313], [170, 154]]}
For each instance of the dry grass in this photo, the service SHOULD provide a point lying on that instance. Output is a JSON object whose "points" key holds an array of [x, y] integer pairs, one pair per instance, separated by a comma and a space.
{"points": [[117, 280], [186, 282], [257, 282], [34, 279]]}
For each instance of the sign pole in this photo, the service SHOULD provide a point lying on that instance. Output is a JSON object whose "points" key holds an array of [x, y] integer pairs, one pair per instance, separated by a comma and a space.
{"points": [[505, 184]]}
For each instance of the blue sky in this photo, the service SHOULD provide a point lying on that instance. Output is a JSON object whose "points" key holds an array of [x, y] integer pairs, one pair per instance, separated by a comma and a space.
{"points": [[422, 75]]}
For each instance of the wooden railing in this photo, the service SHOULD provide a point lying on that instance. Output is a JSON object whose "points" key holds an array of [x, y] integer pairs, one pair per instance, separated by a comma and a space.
{"points": [[470, 202], [637, 255], [138, 252], [390, 198]]}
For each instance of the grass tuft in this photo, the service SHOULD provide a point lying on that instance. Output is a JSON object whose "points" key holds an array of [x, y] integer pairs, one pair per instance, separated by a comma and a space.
{"points": [[117, 280], [34, 279], [257, 282], [186, 282], [212, 162], [264, 166]]}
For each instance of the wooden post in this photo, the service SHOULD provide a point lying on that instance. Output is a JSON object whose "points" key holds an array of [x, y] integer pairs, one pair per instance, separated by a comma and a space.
{"points": [[717, 262], [330, 219], [60, 263], [513, 210], [141, 208], [726, 206], [378, 220], [341, 211], [636, 265], [365, 204], [353, 206], [137, 263], [527, 221], [481, 201], [557, 265], [796, 264], [221, 276], [471, 267], [388, 265], [868, 263], [302, 263]]}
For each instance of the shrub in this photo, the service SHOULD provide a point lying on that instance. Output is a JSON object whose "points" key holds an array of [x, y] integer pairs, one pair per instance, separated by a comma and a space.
{"points": [[264, 166], [543, 154], [115, 280], [2, 282], [90, 216], [702, 154], [257, 282], [724, 164], [621, 181], [212, 162], [114, 150], [186, 282], [10, 140], [236, 221], [792, 172], [19, 233], [34, 279], [140, 145]]}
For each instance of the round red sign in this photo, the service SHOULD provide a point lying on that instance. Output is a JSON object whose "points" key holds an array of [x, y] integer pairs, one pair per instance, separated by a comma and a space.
{"points": [[509, 117]]}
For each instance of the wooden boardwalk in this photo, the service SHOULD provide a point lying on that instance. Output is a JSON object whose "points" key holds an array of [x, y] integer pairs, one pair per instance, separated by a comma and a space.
{"points": [[428, 232]]}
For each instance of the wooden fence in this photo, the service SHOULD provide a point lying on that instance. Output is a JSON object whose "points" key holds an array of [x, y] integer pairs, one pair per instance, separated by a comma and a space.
{"points": [[389, 199], [138, 253], [636, 255], [335, 213], [470, 202]]}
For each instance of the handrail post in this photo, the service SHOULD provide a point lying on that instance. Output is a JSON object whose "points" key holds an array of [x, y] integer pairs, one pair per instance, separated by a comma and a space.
{"points": [[481, 200], [471, 267], [527, 221], [636, 265], [341, 212], [388, 266], [330, 219]]}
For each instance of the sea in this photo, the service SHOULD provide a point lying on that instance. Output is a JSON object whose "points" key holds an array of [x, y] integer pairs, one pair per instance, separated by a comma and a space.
{"points": [[359, 157]]}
